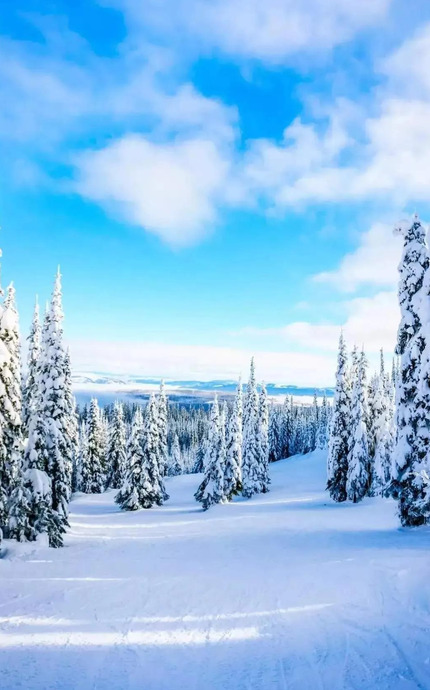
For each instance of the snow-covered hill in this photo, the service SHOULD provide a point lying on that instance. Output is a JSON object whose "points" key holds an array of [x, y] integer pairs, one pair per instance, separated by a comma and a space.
{"points": [[286, 590]]}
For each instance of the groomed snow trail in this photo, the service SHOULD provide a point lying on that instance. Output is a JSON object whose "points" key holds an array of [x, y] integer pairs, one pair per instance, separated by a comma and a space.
{"points": [[285, 591]]}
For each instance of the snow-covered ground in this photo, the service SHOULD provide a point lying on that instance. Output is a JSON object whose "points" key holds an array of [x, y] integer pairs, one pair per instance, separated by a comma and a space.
{"points": [[286, 590]]}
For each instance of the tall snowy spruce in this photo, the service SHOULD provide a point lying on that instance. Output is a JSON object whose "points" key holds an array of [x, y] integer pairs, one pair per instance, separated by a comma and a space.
{"points": [[211, 490], [116, 452], [250, 449], [337, 463], [323, 425], [381, 416], [410, 404], [30, 385], [92, 469], [151, 451], [162, 429], [233, 460], [414, 493], [50, 446], [263, 441], [358, 477]]}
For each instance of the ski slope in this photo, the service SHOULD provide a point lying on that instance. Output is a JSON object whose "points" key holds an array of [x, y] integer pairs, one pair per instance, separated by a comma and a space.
{"points": [[284, 591]]}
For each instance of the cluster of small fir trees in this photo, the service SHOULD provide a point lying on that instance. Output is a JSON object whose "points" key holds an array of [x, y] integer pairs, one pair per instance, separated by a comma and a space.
{"points": [[362, 429], [237, 448], [129, 457]]}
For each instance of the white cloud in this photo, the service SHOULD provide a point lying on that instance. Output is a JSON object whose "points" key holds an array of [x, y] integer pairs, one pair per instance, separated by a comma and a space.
{"points": [[201, 362], [170, 190], [371, 322], [407, 67], [271, 31], [374, 262]]}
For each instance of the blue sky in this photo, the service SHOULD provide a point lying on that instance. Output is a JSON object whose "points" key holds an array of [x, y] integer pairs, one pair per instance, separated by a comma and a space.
{"points": [[216, 179]]}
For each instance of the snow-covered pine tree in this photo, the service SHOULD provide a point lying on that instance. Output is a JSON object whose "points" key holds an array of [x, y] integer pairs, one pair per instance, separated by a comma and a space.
{"points": [[287, 427], [323, 426], [275, 433], [151, 451], [372, 401], [42, 517], [263, 441], [175, 464], [411, 342], [340, 429], [72, 423], [383, 439], [358, 476], [136, 492], [250, 458], [314, 423], [30, 386], [414, 499], [116, 453], [54, 405], [92, 469], [162, 429], [199, 464], [11, 446], [82, 453], [233, 462], [211, 490]]}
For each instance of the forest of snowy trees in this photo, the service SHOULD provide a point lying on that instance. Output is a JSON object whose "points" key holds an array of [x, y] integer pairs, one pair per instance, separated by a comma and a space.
{"points": [[377, 430], [380, 432]]}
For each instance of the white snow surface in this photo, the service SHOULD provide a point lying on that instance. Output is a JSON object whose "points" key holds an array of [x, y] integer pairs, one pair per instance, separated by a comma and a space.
{"points": [[283, 591]]}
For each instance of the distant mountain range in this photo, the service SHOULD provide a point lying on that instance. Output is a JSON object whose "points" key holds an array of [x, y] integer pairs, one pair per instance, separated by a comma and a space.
{"points": [[107, 388]]}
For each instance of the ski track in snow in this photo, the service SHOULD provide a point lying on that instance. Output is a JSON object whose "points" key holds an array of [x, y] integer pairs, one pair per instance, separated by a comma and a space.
{"points": [[286, 591]]}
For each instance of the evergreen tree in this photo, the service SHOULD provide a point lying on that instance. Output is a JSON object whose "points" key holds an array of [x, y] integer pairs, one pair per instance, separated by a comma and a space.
{"points": [[136, 492], [10, 405], [414, 503], [275, 434], [162, 429], [358, 479], [314, 423], [411, 342], [211, 490], [175, 466], [199, 465], [30, 388], [250, 456], [92, 470], [233, 462], [54, 406], [383, 439], [337, 464], [151, 452], [323, 426], [116, 453], [263, 441], [71, 425]]}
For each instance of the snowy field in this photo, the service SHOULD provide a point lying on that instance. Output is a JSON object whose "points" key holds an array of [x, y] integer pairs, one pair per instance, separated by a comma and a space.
{"points": [[286, 590]]}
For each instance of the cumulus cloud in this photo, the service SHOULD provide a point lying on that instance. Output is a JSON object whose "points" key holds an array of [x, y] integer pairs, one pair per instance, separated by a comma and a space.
{"points": [[271, 31], [374, 262], [169, 189], [371, 322]]}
